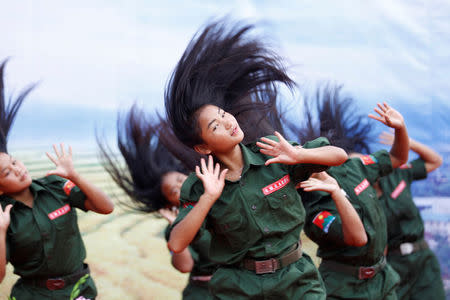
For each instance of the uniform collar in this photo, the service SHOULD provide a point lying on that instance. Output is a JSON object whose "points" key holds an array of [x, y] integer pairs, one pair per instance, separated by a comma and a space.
{"points": [[251, 156]]}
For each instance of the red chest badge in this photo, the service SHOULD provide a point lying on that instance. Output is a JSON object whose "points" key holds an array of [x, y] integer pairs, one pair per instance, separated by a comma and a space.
{"points": [[405, 166], [68, 186], [361, 187], [59, 212], [398, 190], [273, 187]]}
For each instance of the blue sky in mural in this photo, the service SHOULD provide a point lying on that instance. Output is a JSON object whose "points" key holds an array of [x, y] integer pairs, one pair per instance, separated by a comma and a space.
{"points": [[93, 58]]}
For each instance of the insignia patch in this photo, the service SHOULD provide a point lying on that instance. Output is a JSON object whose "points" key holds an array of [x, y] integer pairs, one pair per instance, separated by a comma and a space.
{"points": [[398, 190], [273, 187], [323, 220], [368, 159], [189, 204], [361, 187], [405, 166], [59, 212], [68, 186]]}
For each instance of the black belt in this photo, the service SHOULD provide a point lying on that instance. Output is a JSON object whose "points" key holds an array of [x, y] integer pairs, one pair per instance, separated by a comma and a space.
{"points": [[360, 272], [273, 264], [408, 248], [58, 283]]}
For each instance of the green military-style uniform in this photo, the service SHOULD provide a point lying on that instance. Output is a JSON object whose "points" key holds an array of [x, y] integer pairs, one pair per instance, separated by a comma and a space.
{"points": [[258, 217], [408, 253], [197, 288], [44, 242], [341, 264]]}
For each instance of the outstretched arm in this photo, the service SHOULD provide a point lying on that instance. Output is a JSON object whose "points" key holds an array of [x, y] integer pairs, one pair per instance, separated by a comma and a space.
{"points": [[213, 182], [352, 226], [431, 158], [285, 153], [392, 118], [96, 199], [4, 224]]}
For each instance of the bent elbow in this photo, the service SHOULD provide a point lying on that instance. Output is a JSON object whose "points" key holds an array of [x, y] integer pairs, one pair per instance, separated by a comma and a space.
{"points": [[357, 241], [109, 209], [341, 157], [175, 247], [184, 268]]}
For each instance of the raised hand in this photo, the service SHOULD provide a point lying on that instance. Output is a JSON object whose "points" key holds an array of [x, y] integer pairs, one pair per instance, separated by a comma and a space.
{"points": [[282, 151], [5, 217], [212, 178], [63, 162], [320, 182], [169, 214], [388, 116]]}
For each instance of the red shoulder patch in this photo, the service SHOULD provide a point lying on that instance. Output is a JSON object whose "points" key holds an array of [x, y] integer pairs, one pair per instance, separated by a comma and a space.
{"points": [[323, 220], [368, 159], [68, 186], [189, 204]]}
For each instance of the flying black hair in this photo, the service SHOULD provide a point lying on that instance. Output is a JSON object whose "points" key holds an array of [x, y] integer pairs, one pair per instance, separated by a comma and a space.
{"points": [[8, 111], [336, 118], [224, 66], [146, 158]]}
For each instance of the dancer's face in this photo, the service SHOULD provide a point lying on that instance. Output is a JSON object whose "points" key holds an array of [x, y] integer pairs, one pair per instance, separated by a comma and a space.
{"points": [[14, 176], [220, 131], [171, 187]]}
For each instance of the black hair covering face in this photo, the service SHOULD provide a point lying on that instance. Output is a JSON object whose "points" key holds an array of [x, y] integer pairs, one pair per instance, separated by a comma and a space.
{"points": [[146, 161], [224, 65], [335, 117], [8, 109]]}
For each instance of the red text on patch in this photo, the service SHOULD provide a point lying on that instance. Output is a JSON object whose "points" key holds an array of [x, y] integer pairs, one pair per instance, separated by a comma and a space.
{"points": [[273, 187]]}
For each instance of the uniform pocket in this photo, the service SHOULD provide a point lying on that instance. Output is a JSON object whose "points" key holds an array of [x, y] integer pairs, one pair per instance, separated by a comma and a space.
{"points": [[66, 222], [232, 228]]}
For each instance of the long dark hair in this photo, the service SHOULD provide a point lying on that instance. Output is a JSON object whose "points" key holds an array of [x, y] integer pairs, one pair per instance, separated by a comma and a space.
{"points": [[224, 66], [146, 158], [332, 115], [9, 109]]}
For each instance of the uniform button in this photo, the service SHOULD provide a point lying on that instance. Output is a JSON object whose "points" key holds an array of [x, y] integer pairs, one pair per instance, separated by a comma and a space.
{"points": [[266, 229], [284, 196], [371, 195], [269, 245], [254, 207]]}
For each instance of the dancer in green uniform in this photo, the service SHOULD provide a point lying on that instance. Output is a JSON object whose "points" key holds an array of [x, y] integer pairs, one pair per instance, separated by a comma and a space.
{"points": [[408, 252], [353, 270], [152, 179], [247, 198], [39, 233]]}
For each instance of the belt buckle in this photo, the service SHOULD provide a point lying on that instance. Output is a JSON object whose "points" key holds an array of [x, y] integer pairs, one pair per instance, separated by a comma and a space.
{"points": [[55, 284], [366, 272], [406, 248], [265, 266]]}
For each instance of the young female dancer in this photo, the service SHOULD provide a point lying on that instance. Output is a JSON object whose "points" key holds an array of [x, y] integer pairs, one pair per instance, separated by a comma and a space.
{"points": [[39, 233], [247, 199], [353, 260], [408, 252], [152, 180]]}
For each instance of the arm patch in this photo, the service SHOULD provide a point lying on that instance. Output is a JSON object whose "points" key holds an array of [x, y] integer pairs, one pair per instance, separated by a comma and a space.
{"points": [[323, 220]]}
